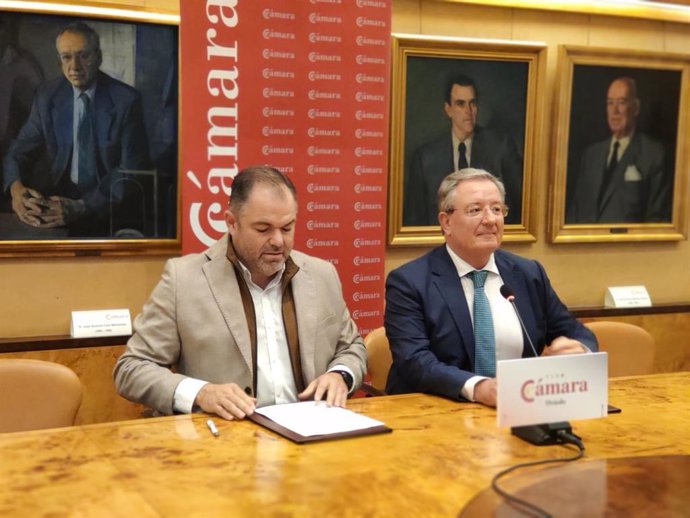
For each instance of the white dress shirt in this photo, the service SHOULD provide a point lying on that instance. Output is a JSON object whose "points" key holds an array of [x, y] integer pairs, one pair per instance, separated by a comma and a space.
{"points": [[275, 382], [507, 329], [456, 151], [623, 144]]}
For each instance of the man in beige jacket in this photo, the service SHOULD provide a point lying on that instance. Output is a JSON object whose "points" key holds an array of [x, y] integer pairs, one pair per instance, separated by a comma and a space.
{"points": [[249, 322]]}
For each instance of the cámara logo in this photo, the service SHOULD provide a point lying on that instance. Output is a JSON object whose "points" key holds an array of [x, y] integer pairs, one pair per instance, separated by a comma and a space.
{"points": [[531, 390]]}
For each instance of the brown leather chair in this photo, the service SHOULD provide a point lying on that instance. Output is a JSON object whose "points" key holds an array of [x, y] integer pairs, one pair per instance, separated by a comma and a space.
{"points": [[630, 347], [379, 360], [37, 394]]}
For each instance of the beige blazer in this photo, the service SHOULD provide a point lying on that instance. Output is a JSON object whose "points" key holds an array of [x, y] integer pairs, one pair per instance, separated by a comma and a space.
{"points": [[194, 325]]}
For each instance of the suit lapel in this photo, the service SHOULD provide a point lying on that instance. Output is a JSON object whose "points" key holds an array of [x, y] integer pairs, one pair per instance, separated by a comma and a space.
{"points": [[477, 158], [104, 111], [600, 158], [304, 289], [449, 286], [62, 113], [447, 156], [222, 282]]}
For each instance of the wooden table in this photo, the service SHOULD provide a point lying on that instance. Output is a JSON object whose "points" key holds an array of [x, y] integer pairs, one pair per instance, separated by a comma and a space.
{"points": [[440, 456]]}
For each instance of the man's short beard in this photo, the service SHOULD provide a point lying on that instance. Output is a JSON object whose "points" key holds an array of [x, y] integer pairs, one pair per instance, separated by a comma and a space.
{"points": [[271, 268]]}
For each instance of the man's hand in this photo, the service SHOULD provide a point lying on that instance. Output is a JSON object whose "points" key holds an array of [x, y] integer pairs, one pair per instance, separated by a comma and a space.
{"points": [[28, 204], [228, 401], [564, 345], [485, 392], [331, 384], [60, 211]]}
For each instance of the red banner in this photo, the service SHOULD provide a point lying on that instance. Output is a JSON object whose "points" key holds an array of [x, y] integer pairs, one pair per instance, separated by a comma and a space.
{"points": [[302, 86]]}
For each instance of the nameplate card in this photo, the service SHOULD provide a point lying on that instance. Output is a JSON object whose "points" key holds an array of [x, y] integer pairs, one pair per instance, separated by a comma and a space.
{"points": [[551, 389], [627, 297], [106, 322]]}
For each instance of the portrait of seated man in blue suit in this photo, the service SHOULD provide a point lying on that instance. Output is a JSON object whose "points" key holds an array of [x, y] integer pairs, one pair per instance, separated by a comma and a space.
{"points": [[445, 317], [83, 129], [464, 144], [624, 178]]}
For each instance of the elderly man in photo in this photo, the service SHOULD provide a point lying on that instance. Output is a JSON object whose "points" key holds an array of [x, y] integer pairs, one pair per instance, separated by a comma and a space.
{"points": [[83, 129], [623, 179], [445, 317]]}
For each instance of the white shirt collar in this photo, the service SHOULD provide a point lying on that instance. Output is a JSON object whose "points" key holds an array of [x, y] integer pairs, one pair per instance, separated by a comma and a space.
{"points": [[456, 141], [463, 267], [91, 92], [248, 277]]}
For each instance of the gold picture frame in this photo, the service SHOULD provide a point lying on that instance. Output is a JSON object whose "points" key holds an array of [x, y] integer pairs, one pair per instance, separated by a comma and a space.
{"points": [[136, 134], [643, 196], [508, 79]]}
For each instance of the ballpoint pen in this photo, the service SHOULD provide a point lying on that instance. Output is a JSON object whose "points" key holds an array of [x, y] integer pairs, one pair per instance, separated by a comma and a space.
{"points": [[212, 426]]}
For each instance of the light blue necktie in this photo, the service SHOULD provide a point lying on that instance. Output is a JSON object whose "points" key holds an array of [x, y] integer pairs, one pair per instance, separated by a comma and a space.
{"points": [[484, 340]]}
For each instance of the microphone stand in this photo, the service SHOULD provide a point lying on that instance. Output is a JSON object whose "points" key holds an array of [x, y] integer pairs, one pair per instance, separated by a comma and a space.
{"points": [[538, 434]]}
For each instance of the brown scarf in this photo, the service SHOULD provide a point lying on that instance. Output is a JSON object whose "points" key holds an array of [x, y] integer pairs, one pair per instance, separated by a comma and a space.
{"points": [[289, 316]]}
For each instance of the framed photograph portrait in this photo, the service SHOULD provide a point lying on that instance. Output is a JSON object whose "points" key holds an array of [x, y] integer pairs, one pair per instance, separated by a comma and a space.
{"points": [[460, 103], [620, 155], [88, 131]]}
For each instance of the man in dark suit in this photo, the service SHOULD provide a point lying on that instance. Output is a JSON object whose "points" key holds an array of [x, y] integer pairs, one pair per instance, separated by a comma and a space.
{"points": [[430, 302], [82, 130], [465, 145], [623, 179]]}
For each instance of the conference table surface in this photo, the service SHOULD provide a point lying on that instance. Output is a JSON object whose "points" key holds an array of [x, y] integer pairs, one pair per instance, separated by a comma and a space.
{"points": [[440, 456]]}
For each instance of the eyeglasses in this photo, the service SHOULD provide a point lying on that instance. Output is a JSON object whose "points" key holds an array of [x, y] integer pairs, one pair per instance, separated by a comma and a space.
{"points": [[83, 57], [476, 211]]}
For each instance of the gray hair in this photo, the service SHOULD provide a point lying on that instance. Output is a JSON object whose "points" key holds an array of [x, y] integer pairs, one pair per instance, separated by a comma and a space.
{"points": [[450, 182], [630, 83], [93, 41]]}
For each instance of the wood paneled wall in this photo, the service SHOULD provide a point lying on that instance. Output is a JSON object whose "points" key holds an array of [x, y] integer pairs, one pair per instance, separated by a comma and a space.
{"points": [[94, 366]]}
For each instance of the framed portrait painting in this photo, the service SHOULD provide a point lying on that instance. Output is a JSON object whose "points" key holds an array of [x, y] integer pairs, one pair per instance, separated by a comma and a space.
{"points": [[620, 156], [88, 130], [460, 103]]}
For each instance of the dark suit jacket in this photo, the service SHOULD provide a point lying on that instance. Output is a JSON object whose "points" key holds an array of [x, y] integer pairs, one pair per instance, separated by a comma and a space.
{"points": [[641, 189], [433, 161], [429, 325], [42, 152]]}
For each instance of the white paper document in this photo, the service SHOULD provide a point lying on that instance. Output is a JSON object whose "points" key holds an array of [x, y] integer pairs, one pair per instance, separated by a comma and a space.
{"points": [[311, 418]]}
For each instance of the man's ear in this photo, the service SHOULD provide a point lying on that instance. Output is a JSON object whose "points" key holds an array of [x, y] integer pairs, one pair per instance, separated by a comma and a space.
{"points": [[230, 221], [446, 108], [444, 221]]}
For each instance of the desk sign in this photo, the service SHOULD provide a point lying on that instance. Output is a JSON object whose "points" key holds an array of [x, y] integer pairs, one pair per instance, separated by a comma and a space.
{"points": [[106, 322], [552, 389], [627, 297]]}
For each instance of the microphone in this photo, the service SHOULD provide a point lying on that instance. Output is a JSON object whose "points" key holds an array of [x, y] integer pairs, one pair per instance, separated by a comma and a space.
{"points": [[539, 434], [509, 295]]}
